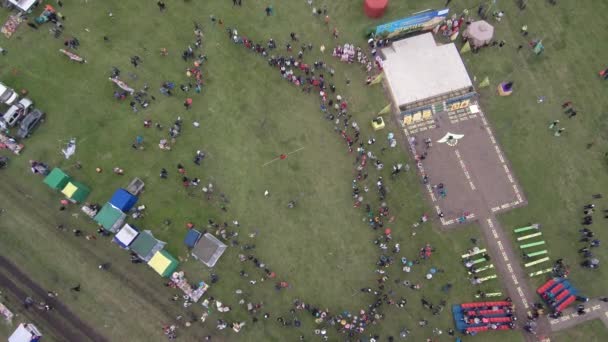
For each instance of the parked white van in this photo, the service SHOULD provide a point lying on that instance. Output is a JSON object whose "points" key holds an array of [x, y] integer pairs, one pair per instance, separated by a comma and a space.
{"points": [[7, 95]]}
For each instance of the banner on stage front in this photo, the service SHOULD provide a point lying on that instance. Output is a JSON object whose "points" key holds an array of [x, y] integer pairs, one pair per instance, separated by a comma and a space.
{"points": [[421, 21]]}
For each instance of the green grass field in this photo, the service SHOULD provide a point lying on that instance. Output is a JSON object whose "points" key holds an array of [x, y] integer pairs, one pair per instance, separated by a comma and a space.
{"points": [[248, 116]]}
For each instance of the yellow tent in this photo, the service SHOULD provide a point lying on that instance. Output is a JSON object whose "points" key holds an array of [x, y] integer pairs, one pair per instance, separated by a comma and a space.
{"points": [[69, 190], [76, 191], [163, 263]]}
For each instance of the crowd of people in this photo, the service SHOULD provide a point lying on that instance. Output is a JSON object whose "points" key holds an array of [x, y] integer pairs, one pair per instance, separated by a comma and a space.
{"points": [[589, 239], [313, 78], [317, 78]]}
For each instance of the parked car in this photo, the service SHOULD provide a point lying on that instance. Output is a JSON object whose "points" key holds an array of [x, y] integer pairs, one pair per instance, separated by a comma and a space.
{"points": [[29, 123], [17, 111], [7, 95]]}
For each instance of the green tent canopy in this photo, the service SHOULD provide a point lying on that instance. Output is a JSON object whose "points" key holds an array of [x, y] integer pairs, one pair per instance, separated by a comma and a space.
{"points": [[110, 218], [76, 191], [146, 245], [57, 179]]}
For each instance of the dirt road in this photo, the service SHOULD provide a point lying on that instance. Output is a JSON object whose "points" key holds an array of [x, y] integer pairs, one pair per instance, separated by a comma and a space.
{"points": [[65, 324]]}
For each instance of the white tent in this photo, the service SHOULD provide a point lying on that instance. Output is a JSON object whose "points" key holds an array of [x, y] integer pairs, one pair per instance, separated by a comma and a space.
{"points": [[23, 5], [418, 69], [25, 333], [125, 236]]}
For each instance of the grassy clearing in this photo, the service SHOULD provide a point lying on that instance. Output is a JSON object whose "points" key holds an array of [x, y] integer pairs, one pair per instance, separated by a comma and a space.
{"points": [[589, 331], [248, 116]]}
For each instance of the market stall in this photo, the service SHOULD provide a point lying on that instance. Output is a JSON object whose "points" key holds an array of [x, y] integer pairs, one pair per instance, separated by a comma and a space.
{"points": [[57, 179], [110, 218], [123, 200], [146, 245], [208, 250], [76, 192], [125, 237], [163, 263], [181, 282], [192, 238]]}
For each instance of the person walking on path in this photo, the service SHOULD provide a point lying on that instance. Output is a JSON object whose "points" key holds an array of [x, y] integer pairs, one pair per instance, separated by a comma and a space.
{"points": [[559, 132], [554, 124]]}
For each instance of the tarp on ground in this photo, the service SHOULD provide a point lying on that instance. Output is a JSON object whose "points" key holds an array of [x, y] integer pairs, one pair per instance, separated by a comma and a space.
{"points": [[123, 200], [163, 263], [208, 250], [110, 218], [57, 179], [192, 238], [76, 191], [146, 245], [125, 237]]}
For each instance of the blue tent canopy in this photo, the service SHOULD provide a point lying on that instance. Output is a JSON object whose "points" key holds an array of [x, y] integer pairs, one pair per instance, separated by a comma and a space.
{"points": [[192, 238], [123, 200]]}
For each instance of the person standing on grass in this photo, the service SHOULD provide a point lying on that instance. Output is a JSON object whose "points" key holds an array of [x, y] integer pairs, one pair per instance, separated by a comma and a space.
{"points": [[161, 5], [568, 109], [559, 132], [268, 10], [566, 104], [554, 124], [572, 114], [447, 2]]}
